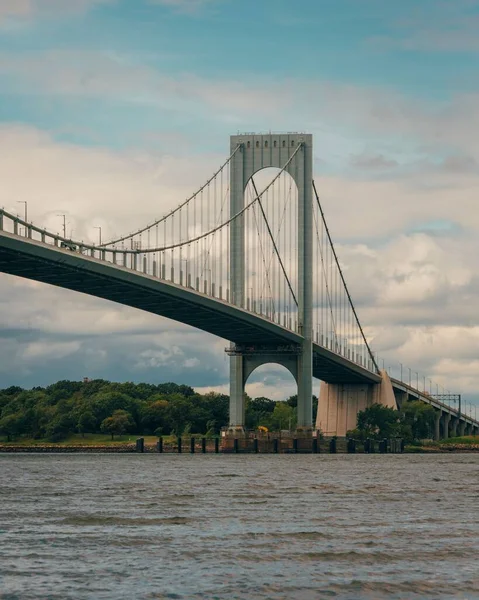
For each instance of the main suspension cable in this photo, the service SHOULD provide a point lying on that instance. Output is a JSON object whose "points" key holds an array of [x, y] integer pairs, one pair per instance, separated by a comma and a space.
{"points": [[171, 213], [342, 278]]}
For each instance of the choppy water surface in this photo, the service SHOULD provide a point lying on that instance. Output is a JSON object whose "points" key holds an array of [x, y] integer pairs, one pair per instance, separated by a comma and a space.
{"points": [[299, 527]]}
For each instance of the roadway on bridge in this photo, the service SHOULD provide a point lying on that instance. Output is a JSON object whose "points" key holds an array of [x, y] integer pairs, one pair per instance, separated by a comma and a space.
{"points": [[71, 270]]}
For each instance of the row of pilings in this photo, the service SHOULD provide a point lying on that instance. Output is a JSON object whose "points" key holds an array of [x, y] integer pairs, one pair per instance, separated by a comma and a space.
{"points": [[274, 445]]}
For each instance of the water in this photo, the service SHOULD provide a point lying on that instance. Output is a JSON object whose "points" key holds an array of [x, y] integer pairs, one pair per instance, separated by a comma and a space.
{"points": [[271, 526]]}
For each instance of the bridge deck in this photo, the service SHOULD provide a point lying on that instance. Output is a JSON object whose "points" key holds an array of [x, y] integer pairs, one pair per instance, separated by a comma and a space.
{"points": [[71, 270]]}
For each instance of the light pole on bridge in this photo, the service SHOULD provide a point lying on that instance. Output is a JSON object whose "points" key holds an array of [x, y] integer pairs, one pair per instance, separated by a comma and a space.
{"points": [[26, 213], [64, 225], [99, 232]]}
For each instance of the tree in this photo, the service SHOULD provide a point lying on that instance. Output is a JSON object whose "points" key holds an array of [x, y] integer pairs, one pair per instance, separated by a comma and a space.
{"points": [[153, 415], [119, 422], [59, 428], [258, 411], [178, 413], [378, 421], [418, 420], [283, 417], [106, 402], [11, 425], [86, 423]]}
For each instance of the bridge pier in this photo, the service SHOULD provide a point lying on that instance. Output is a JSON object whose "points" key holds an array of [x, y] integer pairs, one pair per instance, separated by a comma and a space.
{"points": [[244, 360], [446, 417], [237, 398], [454, 424], [461, 428], [401, 398], [251, 153], [304, 379], [437, 425], [339, 404]]}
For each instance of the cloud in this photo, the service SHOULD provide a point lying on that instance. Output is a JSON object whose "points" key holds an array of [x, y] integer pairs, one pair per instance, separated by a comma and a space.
{"points": [[93, 186], [29, 9], [373, 126], [190, 7], [372, 161], [395, 168], [434, 26]]}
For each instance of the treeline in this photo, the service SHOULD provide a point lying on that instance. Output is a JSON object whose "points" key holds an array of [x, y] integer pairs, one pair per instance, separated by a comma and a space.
{"points": [[100, 406], [413, 422]]}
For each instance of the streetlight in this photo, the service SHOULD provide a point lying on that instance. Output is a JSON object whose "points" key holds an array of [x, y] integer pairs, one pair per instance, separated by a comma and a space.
{"points": [[25, 203], [64, 225], [99, 231], [401, 371]]}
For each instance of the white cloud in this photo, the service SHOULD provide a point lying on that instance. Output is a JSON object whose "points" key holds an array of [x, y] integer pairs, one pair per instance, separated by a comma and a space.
{"points": [[434, 26], [415, 291], [93, 186], [407, 279], [27, 9], [185, 6]]}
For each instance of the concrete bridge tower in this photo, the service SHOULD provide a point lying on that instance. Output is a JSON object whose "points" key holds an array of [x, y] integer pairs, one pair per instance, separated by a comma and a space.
{"points": [[257, 152]]}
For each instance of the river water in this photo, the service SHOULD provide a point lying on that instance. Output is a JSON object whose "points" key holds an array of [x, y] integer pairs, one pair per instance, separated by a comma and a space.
{"points": [[231, 526]]}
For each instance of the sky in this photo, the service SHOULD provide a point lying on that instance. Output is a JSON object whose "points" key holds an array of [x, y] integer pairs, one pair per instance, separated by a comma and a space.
{"points": [[113, 111]]}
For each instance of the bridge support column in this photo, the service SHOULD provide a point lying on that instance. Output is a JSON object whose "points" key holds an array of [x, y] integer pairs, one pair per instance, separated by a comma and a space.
{"points": [[401, 398], [293, 153], [446, 417], [305, 387], [243, 361], [437, 425], [339, 404], [461, 428], [237, 400], [454, 424]]}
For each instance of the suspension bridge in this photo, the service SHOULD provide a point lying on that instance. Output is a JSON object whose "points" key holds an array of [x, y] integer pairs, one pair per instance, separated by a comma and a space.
{"points": [[251, 261]]}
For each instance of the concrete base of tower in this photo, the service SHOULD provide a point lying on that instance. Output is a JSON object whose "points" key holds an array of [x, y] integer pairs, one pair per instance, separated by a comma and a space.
{"points": [[235, 432], [304, 432], [339, 404]]}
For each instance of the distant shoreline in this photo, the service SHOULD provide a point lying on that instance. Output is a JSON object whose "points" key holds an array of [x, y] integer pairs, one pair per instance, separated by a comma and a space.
{"points": [[123, 448]]}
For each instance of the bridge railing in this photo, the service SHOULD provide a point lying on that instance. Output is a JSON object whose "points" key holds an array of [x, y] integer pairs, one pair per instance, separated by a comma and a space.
{"points": [[189, 268], [189, 271], [437, 403]]}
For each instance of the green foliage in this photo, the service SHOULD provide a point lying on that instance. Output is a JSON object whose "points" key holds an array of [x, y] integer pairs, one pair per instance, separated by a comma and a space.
{"points": [[86, 422], [283, 417], [378, 421], [69, 407], [59, 428], [414, 422], [66, 408], [120, 422], [258, 411], [418, 420], [11, 425]]}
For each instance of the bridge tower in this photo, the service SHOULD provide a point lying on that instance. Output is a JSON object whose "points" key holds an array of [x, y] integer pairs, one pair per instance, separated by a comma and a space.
{"points": [[257, 152]]}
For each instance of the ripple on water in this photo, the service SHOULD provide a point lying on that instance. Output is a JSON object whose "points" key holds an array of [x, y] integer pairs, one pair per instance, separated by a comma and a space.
{"points": [[148, 526]]}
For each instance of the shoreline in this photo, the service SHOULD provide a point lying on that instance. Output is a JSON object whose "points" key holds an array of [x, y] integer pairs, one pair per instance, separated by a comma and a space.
{"points": [[151, 449]]}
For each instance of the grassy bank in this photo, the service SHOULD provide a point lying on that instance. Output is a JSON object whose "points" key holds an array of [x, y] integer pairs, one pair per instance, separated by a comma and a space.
{"points": [[90, 439], [467, 443]]}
